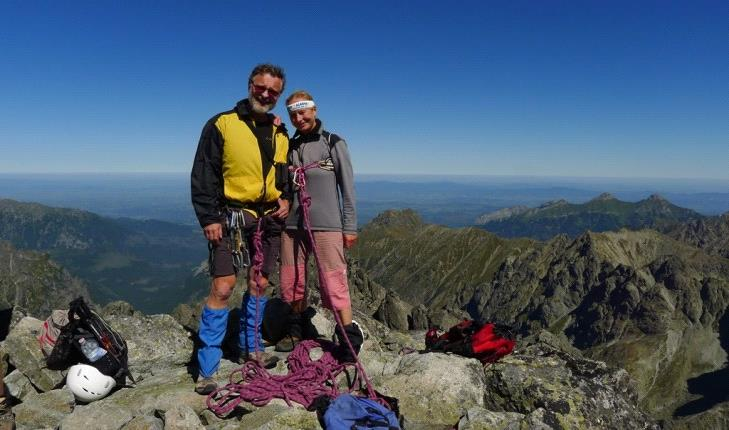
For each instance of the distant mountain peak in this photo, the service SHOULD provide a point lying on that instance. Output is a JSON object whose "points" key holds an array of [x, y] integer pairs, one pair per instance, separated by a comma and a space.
{"points": [[553, 203], [657, 198], [501, 214], [603, 197], [404, 217]]}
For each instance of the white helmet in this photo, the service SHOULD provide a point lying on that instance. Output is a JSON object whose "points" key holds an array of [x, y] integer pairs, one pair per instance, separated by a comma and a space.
{"points": [[87, 383]]}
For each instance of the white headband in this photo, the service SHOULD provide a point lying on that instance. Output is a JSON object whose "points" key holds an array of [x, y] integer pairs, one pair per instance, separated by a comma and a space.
{"points": [[301, 104]]}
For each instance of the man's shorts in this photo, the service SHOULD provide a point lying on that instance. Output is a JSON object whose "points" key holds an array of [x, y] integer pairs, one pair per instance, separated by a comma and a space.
{"points": [[222, 257]]}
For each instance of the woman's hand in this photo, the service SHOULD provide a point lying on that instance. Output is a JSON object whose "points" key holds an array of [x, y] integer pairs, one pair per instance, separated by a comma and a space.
{"points": [[349, 240], [283, 209]]}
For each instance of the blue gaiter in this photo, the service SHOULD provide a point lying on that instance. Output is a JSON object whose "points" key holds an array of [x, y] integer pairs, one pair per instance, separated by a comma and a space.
{"points": [[247, 340], [212, 331]]}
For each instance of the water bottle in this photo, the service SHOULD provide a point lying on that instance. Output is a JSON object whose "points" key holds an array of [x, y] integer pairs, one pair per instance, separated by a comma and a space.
{"points": [[91, 349]]}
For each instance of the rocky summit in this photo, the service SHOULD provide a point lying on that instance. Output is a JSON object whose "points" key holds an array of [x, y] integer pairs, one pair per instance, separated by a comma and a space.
{"points": [[544, 384]]}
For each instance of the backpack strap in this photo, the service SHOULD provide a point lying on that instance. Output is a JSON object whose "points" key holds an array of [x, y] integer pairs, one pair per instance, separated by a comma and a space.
{"points": [[332, 140]]}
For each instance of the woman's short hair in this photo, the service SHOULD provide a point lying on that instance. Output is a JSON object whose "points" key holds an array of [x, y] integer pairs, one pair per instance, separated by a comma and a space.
{"points": [[299, 94]]}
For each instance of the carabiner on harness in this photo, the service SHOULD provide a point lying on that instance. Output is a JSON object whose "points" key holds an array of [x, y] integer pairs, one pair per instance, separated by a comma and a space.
{"points": [[239, 248]]}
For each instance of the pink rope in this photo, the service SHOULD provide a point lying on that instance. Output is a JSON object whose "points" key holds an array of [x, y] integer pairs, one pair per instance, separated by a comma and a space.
{"points": [[257, 269], [306, 380], [304, 203]]}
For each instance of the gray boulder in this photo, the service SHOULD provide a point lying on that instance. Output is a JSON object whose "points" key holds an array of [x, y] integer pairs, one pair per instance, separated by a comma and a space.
{"points": [[435, 388], [573, 392], [277, 417], [44, 411], [22, 347], [394, 312], [96, 416], [482, 419], [144, 422], [18, 385], [182, 417], [155, 341]]}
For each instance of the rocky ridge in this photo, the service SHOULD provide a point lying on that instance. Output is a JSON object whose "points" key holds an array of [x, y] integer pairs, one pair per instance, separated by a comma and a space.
{"points": [[710, 234], [34, 282], [542, 385], [638, 300]]}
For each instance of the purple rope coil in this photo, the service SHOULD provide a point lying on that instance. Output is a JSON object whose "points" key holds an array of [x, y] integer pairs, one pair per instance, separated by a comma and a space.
{"points": [[306, 380]]}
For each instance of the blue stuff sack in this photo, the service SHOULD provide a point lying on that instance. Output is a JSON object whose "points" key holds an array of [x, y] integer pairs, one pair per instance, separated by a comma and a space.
{"points": [[352, 412]]}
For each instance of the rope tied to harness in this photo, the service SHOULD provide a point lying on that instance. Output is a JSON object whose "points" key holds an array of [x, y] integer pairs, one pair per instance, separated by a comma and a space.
{"points": [[299, 178]]}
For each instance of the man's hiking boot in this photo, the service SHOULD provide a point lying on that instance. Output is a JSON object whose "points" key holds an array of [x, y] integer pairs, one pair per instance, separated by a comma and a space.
{"points": [[267, 360], [287, 344], [205, 386], [356, 338]]}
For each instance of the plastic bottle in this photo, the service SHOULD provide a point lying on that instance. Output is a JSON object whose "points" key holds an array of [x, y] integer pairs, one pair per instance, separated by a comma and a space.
{"points": [[91, 349]]}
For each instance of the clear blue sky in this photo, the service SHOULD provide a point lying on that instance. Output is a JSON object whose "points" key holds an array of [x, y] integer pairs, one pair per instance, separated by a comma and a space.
{"points": [[580, 88]]}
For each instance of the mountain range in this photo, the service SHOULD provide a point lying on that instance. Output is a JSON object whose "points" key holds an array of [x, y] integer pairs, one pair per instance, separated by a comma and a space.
{"points": [[151, 264], [603, 213], [655, 303]]}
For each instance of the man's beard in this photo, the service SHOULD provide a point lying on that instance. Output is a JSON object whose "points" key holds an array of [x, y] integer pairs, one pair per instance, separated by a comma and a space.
{"points": [[259, 108]]}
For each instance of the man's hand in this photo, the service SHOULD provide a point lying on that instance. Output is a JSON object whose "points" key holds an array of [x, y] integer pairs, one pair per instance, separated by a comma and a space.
{"points": [[213, 232], [277, 120], [349, 240], [283, 209]]}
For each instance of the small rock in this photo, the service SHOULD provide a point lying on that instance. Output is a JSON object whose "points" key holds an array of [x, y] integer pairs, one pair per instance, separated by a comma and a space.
{"points": [[182, 417], [18, 385]]}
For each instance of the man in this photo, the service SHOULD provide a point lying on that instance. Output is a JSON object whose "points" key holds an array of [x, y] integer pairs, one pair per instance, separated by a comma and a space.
{"points": [[239, 180]]}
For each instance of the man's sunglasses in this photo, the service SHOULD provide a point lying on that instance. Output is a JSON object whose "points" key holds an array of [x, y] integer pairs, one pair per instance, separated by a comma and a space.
{"points": [[260, 89]]}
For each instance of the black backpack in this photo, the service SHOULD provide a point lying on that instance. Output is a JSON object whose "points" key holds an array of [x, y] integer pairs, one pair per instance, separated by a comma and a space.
{"points": [[85, 324]]}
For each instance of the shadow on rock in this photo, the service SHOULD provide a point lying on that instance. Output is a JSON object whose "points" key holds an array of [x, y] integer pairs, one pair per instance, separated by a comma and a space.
{"points": [[711, 386]]}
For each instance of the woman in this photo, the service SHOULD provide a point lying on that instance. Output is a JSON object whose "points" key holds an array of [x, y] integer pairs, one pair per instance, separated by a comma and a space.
{"points": [[334, 225]]}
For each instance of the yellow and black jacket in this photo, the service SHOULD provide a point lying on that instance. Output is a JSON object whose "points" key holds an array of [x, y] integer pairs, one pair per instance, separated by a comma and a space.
{"points": [[238, 164]]}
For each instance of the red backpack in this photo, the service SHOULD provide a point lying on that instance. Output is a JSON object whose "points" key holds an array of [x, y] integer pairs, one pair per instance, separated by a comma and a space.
{"points": [[487, 342]]}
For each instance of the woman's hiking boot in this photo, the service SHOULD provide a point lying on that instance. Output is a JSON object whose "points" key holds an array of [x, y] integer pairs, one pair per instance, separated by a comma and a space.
{"points": [[287, 344], [356, 338], [294, 333], [267, 360], [205, 386]]}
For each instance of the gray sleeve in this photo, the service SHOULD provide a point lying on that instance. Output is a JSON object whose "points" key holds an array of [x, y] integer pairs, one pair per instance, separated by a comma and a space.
{"points": [[345, 183]]}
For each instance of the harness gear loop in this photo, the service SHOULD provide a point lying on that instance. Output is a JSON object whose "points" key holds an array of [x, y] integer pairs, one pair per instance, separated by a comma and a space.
{"points": [[235, 224]]}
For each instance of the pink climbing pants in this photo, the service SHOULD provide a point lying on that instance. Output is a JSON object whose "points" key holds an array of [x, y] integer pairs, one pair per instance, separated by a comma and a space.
{"points": [[295, 250]]}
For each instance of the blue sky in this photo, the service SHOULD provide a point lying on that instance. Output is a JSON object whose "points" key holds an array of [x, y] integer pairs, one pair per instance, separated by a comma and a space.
{"points": [[557, 88]]}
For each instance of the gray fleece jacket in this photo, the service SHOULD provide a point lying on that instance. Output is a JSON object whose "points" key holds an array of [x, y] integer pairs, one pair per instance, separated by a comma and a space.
{"points": [[331, 189]]}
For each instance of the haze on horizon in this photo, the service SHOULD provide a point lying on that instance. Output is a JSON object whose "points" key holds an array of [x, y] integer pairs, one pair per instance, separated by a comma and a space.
{"points": [[579, 89]]}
